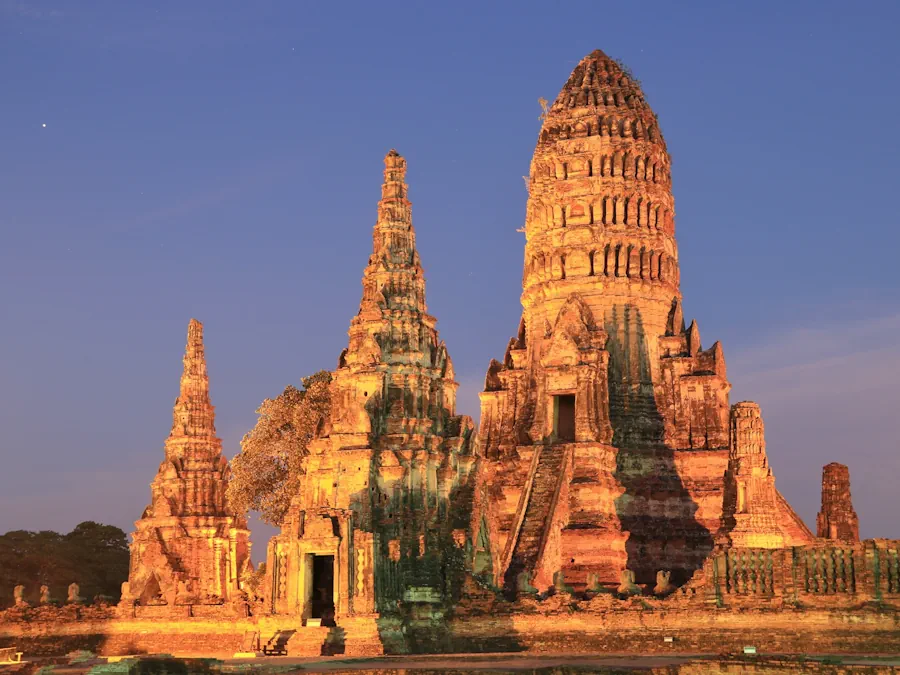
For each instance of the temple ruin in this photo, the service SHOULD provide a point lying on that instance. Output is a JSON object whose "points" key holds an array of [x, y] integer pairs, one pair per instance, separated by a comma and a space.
{"points": [[611, 495]]}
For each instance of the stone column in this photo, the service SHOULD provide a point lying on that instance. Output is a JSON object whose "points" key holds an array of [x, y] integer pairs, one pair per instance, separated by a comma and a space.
{"points": [[837, 519]]}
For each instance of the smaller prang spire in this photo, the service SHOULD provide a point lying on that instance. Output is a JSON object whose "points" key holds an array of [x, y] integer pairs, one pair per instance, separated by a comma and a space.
{"points": [[393, 237], [394, 189], [750, 507], [194, 415]]}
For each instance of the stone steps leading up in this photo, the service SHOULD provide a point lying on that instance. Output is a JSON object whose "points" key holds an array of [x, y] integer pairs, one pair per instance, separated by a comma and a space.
{"points": [[537, 514], [307, 641]]}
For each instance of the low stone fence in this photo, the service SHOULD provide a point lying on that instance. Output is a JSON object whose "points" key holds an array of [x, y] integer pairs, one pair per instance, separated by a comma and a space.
{"points": [[824, 574], [170, 612], [53, 614]]}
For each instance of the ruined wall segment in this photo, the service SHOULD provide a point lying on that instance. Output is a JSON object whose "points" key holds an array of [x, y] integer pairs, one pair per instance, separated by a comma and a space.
{"points": [[385, 487], [189, 546], [837, 519]]}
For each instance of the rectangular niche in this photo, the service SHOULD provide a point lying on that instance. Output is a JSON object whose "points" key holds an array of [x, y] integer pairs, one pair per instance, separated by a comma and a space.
{"points": [[564, 418]]}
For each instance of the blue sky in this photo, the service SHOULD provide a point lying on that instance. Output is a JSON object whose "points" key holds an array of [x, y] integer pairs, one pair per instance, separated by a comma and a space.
{"points": [[222, 160]]}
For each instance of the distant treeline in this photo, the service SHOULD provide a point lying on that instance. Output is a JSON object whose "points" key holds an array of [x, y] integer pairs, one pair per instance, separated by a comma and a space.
{"points": [[92, 555]]}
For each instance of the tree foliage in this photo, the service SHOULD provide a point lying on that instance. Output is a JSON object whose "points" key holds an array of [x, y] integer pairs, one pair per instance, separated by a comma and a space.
{"points": [[266, 474], [254, 582], [92, 555]]}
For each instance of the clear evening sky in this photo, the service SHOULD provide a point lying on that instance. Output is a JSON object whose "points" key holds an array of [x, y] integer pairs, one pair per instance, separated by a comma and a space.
{"points": [[222, 160]]}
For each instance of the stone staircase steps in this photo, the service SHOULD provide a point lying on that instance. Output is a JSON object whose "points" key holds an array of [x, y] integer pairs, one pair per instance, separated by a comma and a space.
{"points": [[308, 641], [537, 513]]}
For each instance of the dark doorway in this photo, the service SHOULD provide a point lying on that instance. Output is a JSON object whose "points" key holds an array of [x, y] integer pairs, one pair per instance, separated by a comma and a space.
{"points": [[565, 418], [323, 589]]}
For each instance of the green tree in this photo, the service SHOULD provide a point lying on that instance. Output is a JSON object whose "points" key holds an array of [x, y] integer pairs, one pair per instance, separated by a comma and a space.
{"points": [[266, 474], [92, 555], [100, 557], [31, 559]]}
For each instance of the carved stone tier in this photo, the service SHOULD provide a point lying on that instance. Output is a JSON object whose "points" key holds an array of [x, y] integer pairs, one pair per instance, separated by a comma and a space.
{"points": [[189, 546]]}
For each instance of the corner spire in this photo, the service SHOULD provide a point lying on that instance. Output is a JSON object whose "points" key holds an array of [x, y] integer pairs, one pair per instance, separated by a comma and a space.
{"points": [[749, 509], [394, 209], [193, 414]]}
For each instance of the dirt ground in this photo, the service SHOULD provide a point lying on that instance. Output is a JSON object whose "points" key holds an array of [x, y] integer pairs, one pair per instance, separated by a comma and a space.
{"points": [[86, 664]]}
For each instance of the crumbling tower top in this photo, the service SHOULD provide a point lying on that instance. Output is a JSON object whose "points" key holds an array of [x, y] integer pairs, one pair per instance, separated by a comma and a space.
{"points": [[837, 519], [193, 414], [599, 82], [393, 279]]}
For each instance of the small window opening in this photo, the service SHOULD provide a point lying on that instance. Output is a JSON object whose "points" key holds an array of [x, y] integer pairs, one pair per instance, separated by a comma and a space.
{"points": [[564, 418], [323, 589]]}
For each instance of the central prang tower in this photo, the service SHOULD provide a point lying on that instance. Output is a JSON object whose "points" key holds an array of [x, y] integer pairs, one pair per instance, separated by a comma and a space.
{"points": [[599, 219], [605, 430]]}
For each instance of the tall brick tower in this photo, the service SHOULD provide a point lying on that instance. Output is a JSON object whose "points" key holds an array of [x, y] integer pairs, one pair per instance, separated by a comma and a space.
{"points": [[837, 518], [379, 510], [189, 546], [605, 428]]}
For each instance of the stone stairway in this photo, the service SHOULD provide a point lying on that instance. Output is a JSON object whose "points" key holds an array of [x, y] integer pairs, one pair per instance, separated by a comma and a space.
{"points": [[353, 636], [537, 514], [308, 641]]}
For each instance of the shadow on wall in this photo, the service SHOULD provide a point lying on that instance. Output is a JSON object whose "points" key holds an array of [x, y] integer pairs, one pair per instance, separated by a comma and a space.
{"points": [[656, 508], [420, 563]]}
